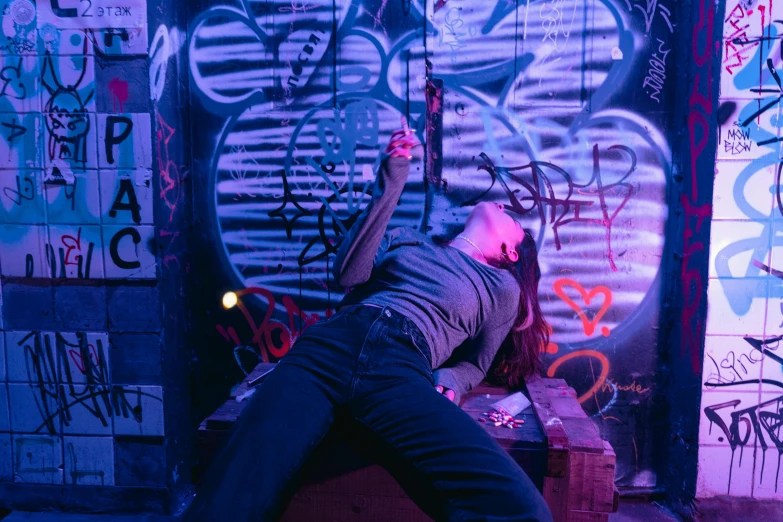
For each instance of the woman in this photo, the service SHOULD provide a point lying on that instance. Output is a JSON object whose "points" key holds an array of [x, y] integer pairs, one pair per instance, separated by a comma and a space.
{"points": [[414, 306]]}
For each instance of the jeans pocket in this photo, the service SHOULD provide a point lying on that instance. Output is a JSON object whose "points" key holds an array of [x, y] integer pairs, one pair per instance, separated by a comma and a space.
{"points": [[418, 346]]}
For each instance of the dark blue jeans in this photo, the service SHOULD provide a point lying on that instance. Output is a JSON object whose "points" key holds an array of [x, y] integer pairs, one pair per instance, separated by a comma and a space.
{"points": [[371, 366]]}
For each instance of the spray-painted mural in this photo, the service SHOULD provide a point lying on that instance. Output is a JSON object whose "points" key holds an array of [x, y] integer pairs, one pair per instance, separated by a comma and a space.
{"points": [[78, 400], [557, 109], [742, 392]]}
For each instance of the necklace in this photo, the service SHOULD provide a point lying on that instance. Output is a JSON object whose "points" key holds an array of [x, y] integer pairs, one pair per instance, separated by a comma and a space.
{"points": [[472, 244]]}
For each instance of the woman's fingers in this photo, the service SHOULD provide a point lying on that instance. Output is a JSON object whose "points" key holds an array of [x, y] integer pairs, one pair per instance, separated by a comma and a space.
{"points": [[407, 141], [400, 152], [401, 132], [449, 394]]}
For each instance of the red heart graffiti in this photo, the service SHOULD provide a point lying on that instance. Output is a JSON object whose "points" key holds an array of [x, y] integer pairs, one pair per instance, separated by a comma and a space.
{"points": [[589, 326]]}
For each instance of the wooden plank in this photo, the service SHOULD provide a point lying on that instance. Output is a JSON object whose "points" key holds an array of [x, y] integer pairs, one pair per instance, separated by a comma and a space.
{"points": [[587, 516], [529, 435], [566, 406], [556, 487], [225, 416], [556, 437], [583, 435], [592, 482], [258, 370], [555, 495]]}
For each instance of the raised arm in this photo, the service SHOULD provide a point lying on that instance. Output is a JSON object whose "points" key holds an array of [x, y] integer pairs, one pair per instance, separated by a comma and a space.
{"points": [[356, 253]]}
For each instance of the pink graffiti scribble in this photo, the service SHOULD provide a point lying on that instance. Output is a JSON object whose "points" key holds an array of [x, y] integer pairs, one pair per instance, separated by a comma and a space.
{"points": [[72, 243], [78, 360], [119, 91], [169, 172]]}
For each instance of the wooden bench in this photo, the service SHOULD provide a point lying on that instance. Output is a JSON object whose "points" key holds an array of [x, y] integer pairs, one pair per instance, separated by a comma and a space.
{"points": [[559, 448]]}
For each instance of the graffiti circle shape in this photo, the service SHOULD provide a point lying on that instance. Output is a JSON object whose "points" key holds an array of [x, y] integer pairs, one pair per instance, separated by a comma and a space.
{"points": [[22, 12], [48, 33]]}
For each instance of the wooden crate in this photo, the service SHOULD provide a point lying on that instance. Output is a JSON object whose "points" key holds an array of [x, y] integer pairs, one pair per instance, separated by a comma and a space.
{"points": [[579, 480], [558, 447]]}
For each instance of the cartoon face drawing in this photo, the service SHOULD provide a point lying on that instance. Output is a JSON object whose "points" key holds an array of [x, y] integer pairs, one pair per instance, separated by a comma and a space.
{"points": [[68, 125], [66, 117]]}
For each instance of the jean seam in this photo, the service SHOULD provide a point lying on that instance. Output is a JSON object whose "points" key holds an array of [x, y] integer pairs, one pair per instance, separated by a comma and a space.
{"points": [[420, 351], [453, 511], [355, 380]]}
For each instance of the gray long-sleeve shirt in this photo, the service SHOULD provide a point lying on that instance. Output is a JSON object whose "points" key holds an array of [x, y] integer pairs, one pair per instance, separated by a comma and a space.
{"points": [[464, 308]]}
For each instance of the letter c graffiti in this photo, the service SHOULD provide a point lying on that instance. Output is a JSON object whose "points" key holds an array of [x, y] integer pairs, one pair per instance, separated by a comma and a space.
{"points": [[114, 248]]}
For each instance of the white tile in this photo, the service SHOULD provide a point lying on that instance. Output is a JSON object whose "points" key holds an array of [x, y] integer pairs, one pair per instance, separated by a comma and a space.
{"points": [[745, 21], [78, 251], [776, 258], [774, 315], [31, 357], [24, 251], [768, 482], [723, 471], [87, 360], [740, 139], [125, 141], [20, 141], [139, 410], [729, 360], [68, 82], [33, 408], [89, 461], [21, 197], [37, 459], [717, 408], [772, 368], [86, 410], [76, 204], [742, 191], [70, 148], [70, 41], [127, 197], [127, 252], [20, 87], [734, 245], [740, 67], [736, 306]]}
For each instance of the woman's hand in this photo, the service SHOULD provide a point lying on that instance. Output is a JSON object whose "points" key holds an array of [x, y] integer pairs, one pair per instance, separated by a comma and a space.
{"points": [[445, 391], [402, 143]]}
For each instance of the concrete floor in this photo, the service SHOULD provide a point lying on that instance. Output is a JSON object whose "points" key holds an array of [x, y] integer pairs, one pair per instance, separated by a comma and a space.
{"points": [[629, 512], [708, 510]]}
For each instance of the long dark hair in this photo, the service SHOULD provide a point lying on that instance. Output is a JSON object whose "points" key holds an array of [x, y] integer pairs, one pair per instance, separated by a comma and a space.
{"points": [[519, 355]]}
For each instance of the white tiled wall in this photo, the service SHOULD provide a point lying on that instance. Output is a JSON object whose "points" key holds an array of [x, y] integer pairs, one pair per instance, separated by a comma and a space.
{"points": [[742, 390]]}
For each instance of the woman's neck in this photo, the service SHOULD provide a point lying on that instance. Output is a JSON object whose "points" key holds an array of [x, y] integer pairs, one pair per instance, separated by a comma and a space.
{"points": [[470, 245]]}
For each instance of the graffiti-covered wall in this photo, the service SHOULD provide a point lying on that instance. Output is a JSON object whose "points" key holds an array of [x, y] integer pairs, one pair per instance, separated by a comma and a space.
{"points": [[83, 256], [742, 384], [558, 109]]}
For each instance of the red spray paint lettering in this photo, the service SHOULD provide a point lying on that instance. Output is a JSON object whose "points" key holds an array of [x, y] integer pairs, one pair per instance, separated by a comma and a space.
{"points": [[700, 106]]}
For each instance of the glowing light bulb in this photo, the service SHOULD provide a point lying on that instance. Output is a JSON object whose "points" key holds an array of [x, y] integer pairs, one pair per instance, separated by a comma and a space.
{"points": [[229, 300]]}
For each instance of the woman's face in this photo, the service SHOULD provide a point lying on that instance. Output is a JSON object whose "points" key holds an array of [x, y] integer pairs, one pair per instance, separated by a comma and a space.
{"points": [[495, 224]]}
